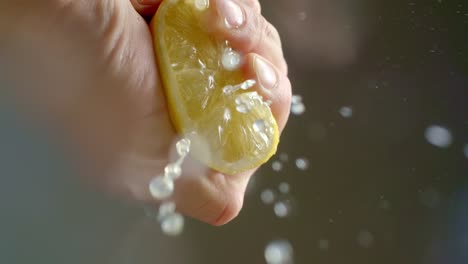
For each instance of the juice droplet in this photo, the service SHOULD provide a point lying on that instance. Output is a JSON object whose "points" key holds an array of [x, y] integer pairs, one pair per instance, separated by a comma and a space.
{"points": [[166, 209], [230, 59], [161, 187], [346, 111], [259, 125], [438, 136], [277, 166], [282, 209], [267, 196], [183, 147], [230, 89], [201, 5], [173, 224], [279, 252], [173, 171], [284, 187], [302, 163]]}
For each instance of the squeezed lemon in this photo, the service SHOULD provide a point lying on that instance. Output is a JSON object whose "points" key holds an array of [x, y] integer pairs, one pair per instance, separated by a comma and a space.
{"points": [[230, 126]]}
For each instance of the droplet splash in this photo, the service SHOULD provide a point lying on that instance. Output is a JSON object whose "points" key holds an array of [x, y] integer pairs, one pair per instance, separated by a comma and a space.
{"points": [[161, 187], [279, 252], [438, 136]]}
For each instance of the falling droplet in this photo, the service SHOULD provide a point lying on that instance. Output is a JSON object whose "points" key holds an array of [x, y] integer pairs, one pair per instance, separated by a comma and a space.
{"points": [[161, 187], [267, 196], [231, 59], [276, 165], [150, 212], [430, 198], [465, 150], [166, 209], [438, 136], [298, 109], [279, 252], [365, 239], [302, 163], [324, 244], [302, 16], [384, 204], [282, 209], [284, 187], [183, 147], [173, 224], [346, 111], [284, 157], [296, 99]]}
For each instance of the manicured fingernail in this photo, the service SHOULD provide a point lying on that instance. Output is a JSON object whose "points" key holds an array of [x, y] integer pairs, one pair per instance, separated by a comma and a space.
{"points": [[231, 12], [147, 2], [267, 75]]}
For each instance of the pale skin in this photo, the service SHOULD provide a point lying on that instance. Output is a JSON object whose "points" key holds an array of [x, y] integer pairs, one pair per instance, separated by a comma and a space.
{"points": [[86, 69]]}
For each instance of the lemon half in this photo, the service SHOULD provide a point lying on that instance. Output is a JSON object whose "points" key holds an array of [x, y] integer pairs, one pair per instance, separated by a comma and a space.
{"points": [[231, 132]]}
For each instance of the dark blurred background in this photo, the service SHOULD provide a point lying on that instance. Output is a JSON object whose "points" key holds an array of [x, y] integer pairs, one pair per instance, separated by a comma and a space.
{"points": [[384, 136]]}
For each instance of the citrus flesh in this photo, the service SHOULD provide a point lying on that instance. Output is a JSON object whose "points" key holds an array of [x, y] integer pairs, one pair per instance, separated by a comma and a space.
{"points": [[231, 132]]}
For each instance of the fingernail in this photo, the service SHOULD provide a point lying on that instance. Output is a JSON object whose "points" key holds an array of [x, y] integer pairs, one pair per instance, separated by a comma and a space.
{"points": [[267, 76], [147, 2], [231, 12]]}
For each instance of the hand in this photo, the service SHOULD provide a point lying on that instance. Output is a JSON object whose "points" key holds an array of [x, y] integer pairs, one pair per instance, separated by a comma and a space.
{"points": [[86, 69]]}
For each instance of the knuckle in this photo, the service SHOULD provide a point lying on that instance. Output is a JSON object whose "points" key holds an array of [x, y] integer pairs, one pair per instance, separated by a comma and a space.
{"points": [[263, 32], [271, 32]]}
